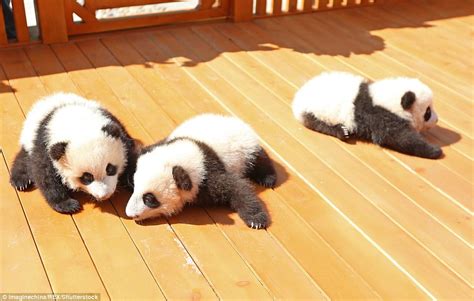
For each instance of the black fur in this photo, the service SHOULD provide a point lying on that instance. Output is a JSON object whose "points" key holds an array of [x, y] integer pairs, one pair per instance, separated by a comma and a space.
{"points": [[380, 126], [408, 99], [182, 179], [39, 169], [313, 123], [57, 150], [224, 188], [45, 175], [384, 128], [261, 170], [113, 130], [21, 177], [126, 178]]}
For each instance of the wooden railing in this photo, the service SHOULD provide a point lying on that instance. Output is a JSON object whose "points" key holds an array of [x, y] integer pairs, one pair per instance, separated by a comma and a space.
{"points": [[56, 21], [19, 16]]}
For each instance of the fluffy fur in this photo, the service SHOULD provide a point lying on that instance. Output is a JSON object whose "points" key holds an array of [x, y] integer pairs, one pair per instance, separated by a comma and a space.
{"points": [[389, 112], [69, 143], [206, 160]]}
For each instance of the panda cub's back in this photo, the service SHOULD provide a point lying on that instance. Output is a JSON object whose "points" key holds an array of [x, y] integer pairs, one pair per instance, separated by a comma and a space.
{"points": [[45, 106], [234, 141], [329, 97]]}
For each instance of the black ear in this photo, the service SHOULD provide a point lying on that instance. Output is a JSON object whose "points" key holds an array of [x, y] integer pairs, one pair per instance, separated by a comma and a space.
{"points": [[112, 129], [408, 99], [182, 179], [58, 150]]}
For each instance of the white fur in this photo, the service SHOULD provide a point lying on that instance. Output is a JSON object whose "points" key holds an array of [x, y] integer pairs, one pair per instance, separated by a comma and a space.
{"points": [[42, 108], [330, 97], [78, 122], [154, 175], [234, 141], [388, 93]]}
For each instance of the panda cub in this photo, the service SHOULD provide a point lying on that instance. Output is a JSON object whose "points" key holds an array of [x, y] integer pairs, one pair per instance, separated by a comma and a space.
{"points": [[69, 143], [389, 112], [206, 160]]}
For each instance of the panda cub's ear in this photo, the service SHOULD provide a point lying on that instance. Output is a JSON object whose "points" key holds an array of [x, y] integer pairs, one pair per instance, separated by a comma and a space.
{"points": [[182, 179], [112, 130], [57, 150], [408, 99]]}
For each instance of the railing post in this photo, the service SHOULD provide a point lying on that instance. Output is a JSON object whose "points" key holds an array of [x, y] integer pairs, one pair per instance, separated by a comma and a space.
{"points": [[242, 10], [52, 21]]}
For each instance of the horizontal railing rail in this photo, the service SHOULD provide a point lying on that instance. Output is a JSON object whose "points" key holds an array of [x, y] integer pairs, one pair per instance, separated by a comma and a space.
{"points": [[60, 19]]}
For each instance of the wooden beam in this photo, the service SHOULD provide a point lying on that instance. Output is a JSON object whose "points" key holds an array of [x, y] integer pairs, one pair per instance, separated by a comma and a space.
{"points": [[242, 10], [3, 31], [21, 28], [52, 21], [261, 7]]}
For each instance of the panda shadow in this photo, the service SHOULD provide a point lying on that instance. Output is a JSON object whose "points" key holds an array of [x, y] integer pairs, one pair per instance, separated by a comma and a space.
{"points": [[115, 205], [442, 136], [282, 176], [5, 88]]}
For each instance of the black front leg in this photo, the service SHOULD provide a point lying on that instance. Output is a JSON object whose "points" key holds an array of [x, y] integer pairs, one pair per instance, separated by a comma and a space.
{"points": [[410, 142], [225, 188], [50, 185], [21, 177]]}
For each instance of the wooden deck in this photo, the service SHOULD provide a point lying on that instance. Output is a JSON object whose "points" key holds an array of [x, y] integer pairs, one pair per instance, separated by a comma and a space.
{"points": [[349, 221]]}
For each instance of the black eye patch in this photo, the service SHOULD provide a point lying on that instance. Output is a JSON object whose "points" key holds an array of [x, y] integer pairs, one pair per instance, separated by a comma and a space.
{"points": [[86, 178], [111, 170], [150, 200], [427, 115]]}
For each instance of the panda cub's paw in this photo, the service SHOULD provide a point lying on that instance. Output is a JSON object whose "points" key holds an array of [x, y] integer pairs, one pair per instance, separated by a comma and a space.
{"points": [[435, 152], [269, 181], [21, 181], [344, 133], [257, 221], [68, 206]]}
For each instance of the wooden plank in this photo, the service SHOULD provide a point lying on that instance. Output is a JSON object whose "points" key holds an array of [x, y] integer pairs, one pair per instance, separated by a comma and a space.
{"points": [[112, 234], [184, 281], [262, 243], [378, 192], [176, 78], [451, 114], [227, 96], [224, 284], [462, 190], [21, 267], [3, 32], [58, 240], [402, 252], [430, 199], [21, 28], [306, 38], [454, 185], [465, 146], [52, 22]]}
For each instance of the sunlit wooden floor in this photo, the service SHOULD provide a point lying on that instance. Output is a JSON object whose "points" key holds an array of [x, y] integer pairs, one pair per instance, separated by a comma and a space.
{"points": [[348, 220]]}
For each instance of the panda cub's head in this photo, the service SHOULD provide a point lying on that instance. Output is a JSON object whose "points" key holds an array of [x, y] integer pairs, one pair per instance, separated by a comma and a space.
{"points": [[91, 163], [408, 98], [167, 176]]}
